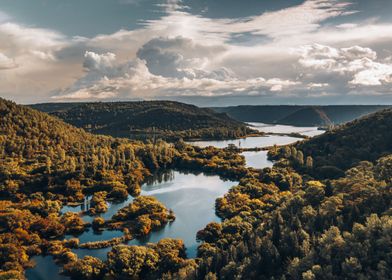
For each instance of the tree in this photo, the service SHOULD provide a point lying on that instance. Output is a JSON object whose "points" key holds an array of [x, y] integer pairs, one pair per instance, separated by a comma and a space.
{"points": [[300, 158], [88, 268], [309, 162]]}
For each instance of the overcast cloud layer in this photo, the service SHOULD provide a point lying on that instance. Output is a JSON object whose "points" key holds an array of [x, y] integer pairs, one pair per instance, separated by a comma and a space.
{"points": [[317, 51]]}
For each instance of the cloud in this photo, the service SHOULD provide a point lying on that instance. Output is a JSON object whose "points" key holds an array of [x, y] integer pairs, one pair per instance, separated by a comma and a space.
{"points": [[98, 62], [291, 21], [31, 49], [181, 57], [29, 55], [185, 54], [333, 59], [6, 62], [20, 39], [299, 52], [172, 5], [108, 78], [349, 68], [372, 73]]}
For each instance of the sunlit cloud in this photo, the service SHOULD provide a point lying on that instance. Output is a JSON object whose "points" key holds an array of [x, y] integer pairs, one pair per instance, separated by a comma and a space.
{"points": [[180, 53]]}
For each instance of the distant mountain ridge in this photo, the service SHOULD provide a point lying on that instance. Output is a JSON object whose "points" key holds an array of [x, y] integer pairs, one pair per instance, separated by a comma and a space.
{"points": [[299, 115], [165, 119], [308, 116]]}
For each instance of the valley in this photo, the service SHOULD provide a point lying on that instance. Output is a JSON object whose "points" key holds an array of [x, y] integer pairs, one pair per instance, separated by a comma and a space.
{"points": [[195, 140], [109, 208]]}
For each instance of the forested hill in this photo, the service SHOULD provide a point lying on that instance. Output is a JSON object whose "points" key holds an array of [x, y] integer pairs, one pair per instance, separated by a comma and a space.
{"points": [[330, 154], [35, 146], [367, 138], [299, 115], [165, 119]]}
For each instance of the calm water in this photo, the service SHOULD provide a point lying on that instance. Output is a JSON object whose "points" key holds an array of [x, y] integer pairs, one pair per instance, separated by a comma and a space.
{"points": [[250, 142], [45, 269], [254, 159], [190, 196], [310, 131], [257, 159]]}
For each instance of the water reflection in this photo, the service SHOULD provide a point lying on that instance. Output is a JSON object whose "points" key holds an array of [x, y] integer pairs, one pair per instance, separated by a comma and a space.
{"points": [[257, 159], [310, 131], [84, 206], [45, 269], [192, 198], [249, 142]]}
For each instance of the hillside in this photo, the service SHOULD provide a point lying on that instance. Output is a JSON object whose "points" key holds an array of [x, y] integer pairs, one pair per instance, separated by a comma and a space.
{"points": [[163, 119], [308, 116], [36, 146], [264, 114], [299, 115], [365, 139], [277, 223], [46, 163]]}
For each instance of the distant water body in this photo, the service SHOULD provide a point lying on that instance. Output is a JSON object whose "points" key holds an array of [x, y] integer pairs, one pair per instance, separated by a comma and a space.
{"points": [[259, 159]]}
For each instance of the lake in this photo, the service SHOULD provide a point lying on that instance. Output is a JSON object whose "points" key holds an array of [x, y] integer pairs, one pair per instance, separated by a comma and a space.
{"points": [[310, 131], [191, 197], [259, 159], [249, 142], [45, 269]]}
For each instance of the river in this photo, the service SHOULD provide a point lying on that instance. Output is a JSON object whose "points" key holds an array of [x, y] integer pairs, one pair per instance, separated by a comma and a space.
{"points": [[258, 159], [191, 196]]}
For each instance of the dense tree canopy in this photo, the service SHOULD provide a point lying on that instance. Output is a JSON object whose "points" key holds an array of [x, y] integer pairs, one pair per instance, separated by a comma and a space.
{"points": [[322, 212], [149, 119]]}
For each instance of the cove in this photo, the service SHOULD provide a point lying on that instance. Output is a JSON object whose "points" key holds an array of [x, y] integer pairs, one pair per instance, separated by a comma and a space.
{"points": [[259, 159], [190, 195], [192, 198]]}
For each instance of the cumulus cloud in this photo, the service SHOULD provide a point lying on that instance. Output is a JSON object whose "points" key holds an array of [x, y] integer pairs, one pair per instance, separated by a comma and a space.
{"points": [[154, 74], [351, 67], [30, 48], [371, 73], [18, 39], [300, 53], [29, 55], [98, 62], [181, 57]]}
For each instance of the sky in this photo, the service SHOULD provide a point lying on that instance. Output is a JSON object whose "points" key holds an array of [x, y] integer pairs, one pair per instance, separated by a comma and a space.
{"points": [[205, 52]]}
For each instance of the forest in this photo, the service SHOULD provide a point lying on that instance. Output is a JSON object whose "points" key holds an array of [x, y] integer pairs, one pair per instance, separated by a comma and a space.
{"points": [[323, 211], [167, 120]]}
